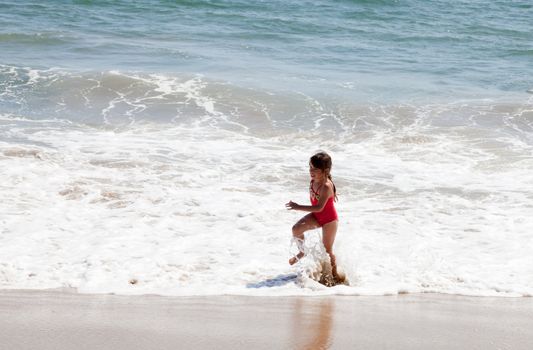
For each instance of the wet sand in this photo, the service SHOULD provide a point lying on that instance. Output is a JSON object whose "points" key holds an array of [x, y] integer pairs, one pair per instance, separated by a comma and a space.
{"points": [[47, 320]]}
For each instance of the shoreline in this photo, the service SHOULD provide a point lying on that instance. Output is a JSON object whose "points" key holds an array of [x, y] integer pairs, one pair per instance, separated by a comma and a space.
{"points": [[53, 319]]}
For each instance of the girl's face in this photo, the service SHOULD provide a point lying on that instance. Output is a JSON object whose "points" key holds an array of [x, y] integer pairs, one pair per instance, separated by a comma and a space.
{"points": [[316, 173]]}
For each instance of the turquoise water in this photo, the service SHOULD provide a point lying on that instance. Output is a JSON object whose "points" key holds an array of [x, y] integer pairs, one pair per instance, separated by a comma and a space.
{"points": [[377, 51], [158, 141]]}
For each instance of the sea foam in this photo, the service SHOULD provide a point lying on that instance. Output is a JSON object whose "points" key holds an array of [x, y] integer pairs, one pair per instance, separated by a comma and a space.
{"points": [[184, 210]]}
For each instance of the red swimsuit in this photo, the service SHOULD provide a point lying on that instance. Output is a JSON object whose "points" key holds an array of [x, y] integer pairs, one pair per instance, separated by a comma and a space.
{"points": [[328, 214]]}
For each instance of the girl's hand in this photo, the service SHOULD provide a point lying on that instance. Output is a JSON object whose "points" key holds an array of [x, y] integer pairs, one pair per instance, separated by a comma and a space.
{"points": [[292, 206]]}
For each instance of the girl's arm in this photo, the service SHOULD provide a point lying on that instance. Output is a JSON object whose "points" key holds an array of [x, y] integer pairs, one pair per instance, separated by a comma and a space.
{"points": [[325, 192]]}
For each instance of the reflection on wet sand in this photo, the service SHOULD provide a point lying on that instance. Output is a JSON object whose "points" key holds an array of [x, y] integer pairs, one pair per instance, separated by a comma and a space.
{"points": [[312, 323]]}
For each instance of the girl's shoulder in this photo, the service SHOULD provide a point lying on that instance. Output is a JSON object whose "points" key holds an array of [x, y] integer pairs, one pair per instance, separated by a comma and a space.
{"points": [[329, 185]]}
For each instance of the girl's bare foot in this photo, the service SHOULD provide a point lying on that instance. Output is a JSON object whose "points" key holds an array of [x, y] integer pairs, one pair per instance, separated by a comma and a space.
{"points": [[296, 258]]}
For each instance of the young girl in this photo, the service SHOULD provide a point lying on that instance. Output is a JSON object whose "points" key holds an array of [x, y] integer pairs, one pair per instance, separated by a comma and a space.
{"points": [[322, 211]]}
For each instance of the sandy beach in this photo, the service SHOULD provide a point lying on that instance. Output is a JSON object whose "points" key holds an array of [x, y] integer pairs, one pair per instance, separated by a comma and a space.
{"points": [[148, 148], [64, 320]]}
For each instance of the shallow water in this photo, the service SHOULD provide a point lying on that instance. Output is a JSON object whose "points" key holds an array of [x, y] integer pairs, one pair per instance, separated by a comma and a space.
{"points": [[158, 141]]}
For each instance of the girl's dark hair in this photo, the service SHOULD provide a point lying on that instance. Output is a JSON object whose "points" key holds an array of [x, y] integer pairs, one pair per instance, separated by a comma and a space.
{"points": [[322, 161]]}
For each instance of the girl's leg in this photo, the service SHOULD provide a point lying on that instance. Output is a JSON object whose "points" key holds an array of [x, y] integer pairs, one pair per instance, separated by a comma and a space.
{"points": [[329, 231], [306, 223]]}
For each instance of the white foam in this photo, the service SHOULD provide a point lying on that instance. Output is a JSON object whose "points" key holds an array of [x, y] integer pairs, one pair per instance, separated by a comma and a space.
{"points": [[200, 211]]}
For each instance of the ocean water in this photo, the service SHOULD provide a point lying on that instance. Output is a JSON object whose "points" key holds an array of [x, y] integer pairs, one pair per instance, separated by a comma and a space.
{"points": [[149, 147]]}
